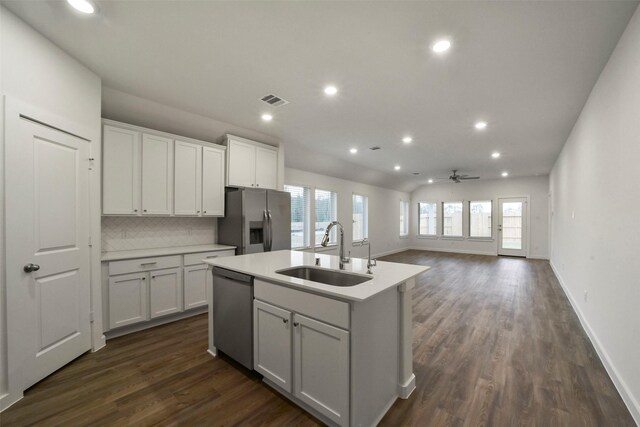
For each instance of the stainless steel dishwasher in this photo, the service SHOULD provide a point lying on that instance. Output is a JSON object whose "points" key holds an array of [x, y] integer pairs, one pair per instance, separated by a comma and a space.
{"points": [[233, 315]]}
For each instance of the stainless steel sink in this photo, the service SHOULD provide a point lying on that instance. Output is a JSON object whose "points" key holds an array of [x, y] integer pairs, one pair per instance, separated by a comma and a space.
{"points": [[323, 275]]}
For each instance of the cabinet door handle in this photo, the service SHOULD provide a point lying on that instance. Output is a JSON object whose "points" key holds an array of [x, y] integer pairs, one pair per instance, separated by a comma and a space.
{"points": [[285, 320], [295, 323], [148, 263], [212, 256]]}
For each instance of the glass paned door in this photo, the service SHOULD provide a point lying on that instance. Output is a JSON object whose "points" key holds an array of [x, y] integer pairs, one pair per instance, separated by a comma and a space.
{"points": [[512, 227]]}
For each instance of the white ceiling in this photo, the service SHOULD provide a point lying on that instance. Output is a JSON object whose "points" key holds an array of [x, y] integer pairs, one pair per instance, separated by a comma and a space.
{"points": [[524, 67]]}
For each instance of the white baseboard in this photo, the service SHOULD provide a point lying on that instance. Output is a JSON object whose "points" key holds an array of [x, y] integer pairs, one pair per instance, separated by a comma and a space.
{"points": [[454, 251], [621, 386], [391, 252]]}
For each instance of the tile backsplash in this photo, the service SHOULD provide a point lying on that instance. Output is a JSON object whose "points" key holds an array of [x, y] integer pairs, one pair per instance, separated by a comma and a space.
{"points": [[122, 233]]}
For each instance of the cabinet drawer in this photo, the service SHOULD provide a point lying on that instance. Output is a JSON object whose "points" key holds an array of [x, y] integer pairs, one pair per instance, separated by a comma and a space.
{"points": [[143, 264], [318, 307], [193, 259]]}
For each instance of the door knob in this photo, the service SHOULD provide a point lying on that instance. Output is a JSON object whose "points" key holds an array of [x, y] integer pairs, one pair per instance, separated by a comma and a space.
{"points": [[31, 267]]}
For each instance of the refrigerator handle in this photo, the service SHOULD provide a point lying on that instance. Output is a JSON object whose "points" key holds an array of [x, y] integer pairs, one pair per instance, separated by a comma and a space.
{"points": [[270, 229], [265, 231]]}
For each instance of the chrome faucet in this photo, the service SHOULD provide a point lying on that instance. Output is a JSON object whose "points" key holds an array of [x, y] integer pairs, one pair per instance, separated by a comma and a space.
{"points": [[325, 240], [370, 262]]}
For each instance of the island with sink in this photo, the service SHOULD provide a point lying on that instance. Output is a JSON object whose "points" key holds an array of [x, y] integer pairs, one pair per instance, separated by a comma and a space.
{"points": [[331, 334]]}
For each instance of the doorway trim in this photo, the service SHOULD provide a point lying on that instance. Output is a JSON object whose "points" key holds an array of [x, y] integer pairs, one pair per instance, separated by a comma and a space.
{"points": [[528, 230], [13, 109]]}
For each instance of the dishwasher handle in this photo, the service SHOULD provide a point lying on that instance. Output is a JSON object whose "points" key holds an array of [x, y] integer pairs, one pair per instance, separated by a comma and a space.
{"points": [[238, 277]]}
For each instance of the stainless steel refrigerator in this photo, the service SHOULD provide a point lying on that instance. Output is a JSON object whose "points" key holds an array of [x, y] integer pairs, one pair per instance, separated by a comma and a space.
{"points": [[256, 220]]}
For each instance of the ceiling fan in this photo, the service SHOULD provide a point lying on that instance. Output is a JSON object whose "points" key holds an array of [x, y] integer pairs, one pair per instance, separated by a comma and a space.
{"points": [[458, 178]]}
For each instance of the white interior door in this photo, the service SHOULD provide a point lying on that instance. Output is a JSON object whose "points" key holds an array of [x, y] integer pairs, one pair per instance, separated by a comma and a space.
{"points": [[47, 235], [512, 227]]}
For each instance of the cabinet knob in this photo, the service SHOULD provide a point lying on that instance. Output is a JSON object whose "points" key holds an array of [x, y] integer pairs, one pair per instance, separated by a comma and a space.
{"points": [[205, 212], [257, 185], [153, 277], [285, 320], [145, 210], [135, 210], [295, 323], [144, 278], [197, 211]]}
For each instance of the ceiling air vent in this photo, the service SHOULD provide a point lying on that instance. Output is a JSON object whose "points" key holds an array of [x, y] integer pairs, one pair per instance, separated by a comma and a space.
{"points": [[274, 100], [374, 148], [416, 173]]}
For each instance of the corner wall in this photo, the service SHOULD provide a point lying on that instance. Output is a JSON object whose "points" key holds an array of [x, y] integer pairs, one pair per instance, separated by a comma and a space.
{"points": [[384, 212], [595, 200], [37, 72], [534, 187]]}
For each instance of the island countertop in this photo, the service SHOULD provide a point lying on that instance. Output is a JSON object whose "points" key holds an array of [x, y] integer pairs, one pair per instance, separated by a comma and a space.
{"points": [[264, 266]]}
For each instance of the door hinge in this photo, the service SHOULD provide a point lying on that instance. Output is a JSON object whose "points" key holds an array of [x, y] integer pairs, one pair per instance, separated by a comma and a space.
{"points": [[90, 243], [91, 317]]}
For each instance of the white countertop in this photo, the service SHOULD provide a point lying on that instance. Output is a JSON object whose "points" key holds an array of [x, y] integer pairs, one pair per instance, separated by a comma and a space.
{"points": [[175, 250], [264, 266]]}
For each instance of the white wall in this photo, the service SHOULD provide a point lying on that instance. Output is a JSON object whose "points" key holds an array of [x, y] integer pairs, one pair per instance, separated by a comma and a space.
{"points": [[37, 72], [534, 187], [384, 211], [595, 201]]}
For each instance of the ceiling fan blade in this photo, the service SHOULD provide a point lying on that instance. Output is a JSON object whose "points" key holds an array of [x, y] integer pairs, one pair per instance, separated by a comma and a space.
{"points": [[469, 177]]}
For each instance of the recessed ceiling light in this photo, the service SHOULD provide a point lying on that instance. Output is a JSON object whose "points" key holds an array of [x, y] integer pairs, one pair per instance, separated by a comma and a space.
{"points": [[353, 150], [495, 155], [397, 167], [505, 174], [430, 181], [441, 46], [267, 117], [407, 140], [480, 125], [83, 6], [330, 90]]}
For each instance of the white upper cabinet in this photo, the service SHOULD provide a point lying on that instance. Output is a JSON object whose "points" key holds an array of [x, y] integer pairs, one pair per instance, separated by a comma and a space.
{"points": [[241, 160], [188, 178], [251, 164], [212, 182], [157, 175], [266, 168], [120, 171], [147, 172]]}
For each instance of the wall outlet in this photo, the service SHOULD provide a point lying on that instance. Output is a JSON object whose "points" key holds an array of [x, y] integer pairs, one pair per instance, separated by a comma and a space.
{"points": [[586, 296]]}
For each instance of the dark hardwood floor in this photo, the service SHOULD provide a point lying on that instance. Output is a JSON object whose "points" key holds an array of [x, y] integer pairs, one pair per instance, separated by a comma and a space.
{"points": [[496, 343]]}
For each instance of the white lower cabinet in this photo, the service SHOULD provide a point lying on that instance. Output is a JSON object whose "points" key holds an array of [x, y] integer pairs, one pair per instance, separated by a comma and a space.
{"points": [[321, 367], [197, 282], [165, 292], [304, 357], [127, 299], [272, 343]]}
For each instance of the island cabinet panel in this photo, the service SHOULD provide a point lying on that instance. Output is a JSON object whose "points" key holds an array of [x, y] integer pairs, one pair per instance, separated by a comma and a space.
{"points": [[157, 175], [127, 299], [120, 171], [272, 344], [165, 292], [321, 368]]}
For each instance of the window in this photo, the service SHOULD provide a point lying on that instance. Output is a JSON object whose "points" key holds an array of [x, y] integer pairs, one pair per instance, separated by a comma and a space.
{"points": [[480, 219], [299, 216], [326, 211], [404, 218], [427, 219], [452, 219], [360, 217]]}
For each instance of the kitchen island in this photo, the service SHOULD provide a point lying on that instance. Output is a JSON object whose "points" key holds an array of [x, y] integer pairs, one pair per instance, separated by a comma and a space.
{"points": [[342, 352]]}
